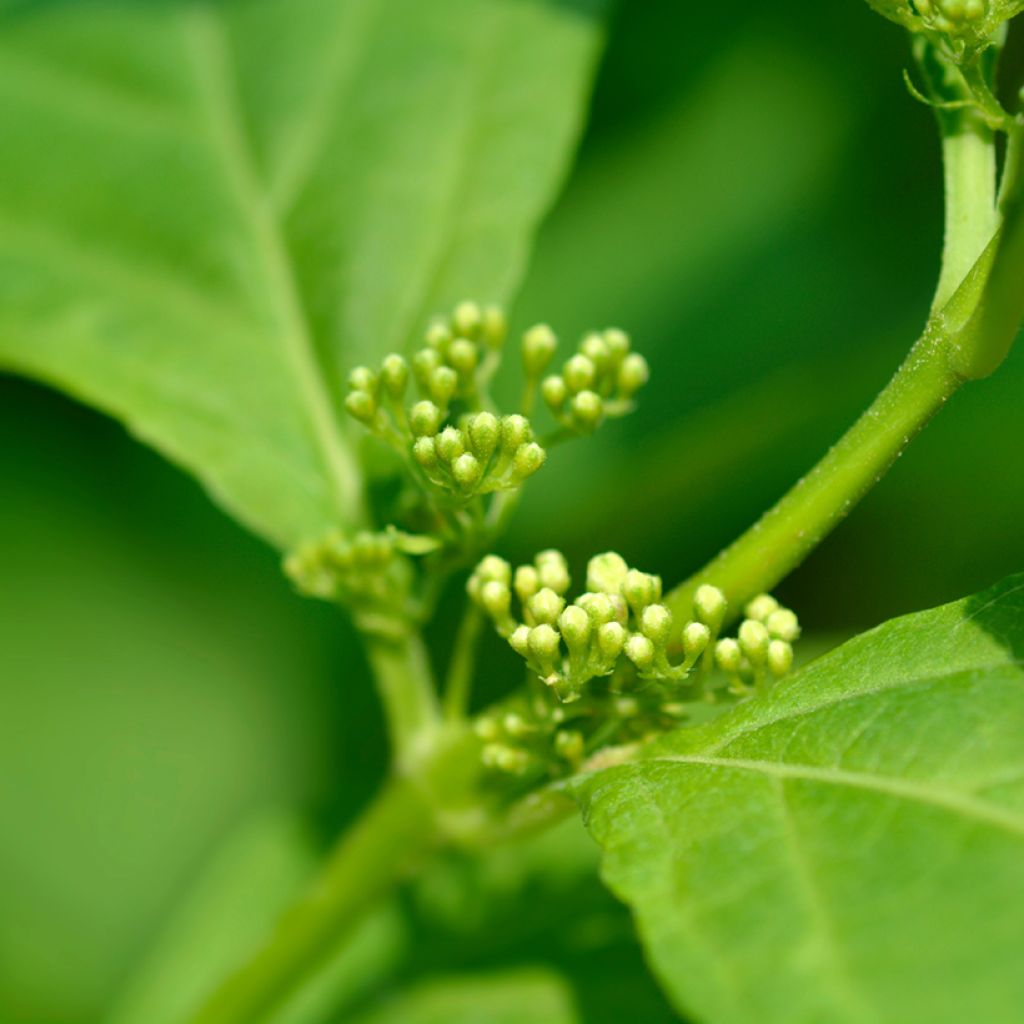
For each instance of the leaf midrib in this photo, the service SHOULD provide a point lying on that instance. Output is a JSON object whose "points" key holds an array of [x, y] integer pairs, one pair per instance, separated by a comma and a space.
{"points": [[215, 67]]}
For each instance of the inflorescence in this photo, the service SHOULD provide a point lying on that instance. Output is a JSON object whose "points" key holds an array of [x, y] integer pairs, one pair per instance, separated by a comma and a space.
{"points": [[612, 666]]}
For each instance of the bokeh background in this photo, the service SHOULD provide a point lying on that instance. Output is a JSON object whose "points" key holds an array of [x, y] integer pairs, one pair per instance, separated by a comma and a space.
{"points": [[757, 199]]}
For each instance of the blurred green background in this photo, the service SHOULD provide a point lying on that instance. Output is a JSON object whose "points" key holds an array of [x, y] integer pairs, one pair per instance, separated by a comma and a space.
{"points": [[757, 199]]}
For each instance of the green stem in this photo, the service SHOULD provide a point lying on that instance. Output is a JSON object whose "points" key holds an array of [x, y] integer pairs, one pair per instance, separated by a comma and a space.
{"points": [[401, 668], [394, 833], [459, 683]]}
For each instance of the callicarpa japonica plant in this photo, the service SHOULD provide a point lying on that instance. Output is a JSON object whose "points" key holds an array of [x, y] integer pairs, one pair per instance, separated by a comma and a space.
{"points": [[282, 243]]}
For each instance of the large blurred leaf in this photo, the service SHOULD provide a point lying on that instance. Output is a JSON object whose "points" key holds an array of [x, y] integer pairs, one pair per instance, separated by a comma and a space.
{"points": [[850, 849], [208, 210]]}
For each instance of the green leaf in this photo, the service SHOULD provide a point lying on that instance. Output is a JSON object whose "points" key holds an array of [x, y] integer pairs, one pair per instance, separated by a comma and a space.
{"points": [[209, 210], [849, 849], [506, 997]]}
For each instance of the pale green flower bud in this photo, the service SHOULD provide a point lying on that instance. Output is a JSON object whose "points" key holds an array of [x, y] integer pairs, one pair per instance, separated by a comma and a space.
{"points": [[783, 625], [554, 392], [467, 319], [754, 641], [780, 658], [587, 411], [641, 589], [494, 568], [424, 363], [424, 451], [554, 571], [544, 643], [656, 624], [463, 356], [424, 419], [598, 606], [362, 378], [450, 444], [494, 327], [546, 606], [569, 745], [394, 372], [634, 373], [438, 336], [529, 458], [444, 382], [505, 759], [515, 432], [709, 606], [519, 641], [611, 639], [487, 728], [516, 726], [361, 405], [575, 627], [696, 638], [496, 599], [761, 607], [606, 573], [596, 349], [484, 433], [539, 345], [618, 343], [579, 373], [467, 471], [728, 656], [527, 583], [640, 651]]}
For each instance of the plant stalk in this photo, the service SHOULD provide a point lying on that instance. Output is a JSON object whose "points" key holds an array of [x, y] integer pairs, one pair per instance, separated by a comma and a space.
{"points": [[394, 833]]}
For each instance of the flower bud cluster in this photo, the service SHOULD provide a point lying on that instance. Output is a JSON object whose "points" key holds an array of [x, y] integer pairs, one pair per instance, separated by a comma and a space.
{"points": [[619, 623], [366, 572], [763, 647], [967, 25], [600, 380]]}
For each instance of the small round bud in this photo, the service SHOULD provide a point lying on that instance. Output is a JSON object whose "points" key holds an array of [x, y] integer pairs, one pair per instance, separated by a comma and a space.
{"points": [[598, 606], [754, 641], [516, 726], [463, 356], [611, 638], [505, 759], [544, 643], [467, 318], [783, 625], [780, 658], [527, 582], [656, 624], [587, 411], [394, 372], [641, 589], [483, 431], [579, 373], [596, 349], [515, 432], [487, 728], [553, 571], [361, 405], [606, 573], [554, 392], [494, 327], [546, 606], [728, 656], [574, 625], [696, 638], [634, 373], [424, 363], [569, 745], [424, 451], [424, 419], [618, 343], [640, 651], [467, 471], [450, 444], [529, 458], [439, 335], [709, 606], [494, 568], [443, 384], [519, 640], [539, 344], [761, 607], [362, 378], [496, 599]]}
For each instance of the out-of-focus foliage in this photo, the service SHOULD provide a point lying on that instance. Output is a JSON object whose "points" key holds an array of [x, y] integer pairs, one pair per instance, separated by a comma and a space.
{"points": [[758, 200]]}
